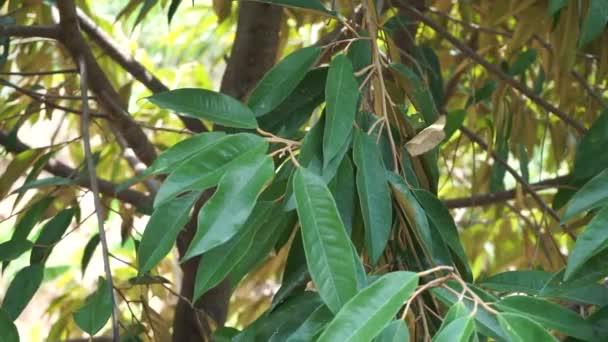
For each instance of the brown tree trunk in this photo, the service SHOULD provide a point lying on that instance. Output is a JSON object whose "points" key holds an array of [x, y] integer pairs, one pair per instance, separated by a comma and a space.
{"points": [[253, 54]]}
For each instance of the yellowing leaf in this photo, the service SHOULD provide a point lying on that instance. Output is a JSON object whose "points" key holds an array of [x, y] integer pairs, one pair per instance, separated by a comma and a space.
{"points": [[427, 139]]}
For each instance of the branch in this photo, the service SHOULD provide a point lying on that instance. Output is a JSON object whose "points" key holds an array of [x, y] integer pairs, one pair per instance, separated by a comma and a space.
{"points": [[60, 169], [133, 67], [42, 31], [497, 71], [38, 73], [99, 84], [498, 197], [88, 155]]}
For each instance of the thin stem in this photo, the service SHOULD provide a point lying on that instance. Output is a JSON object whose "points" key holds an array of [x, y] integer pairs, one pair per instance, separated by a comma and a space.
{"points": [[95, 188]]}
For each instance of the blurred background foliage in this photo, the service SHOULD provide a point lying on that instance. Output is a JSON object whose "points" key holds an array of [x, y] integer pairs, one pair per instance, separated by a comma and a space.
{"points": [[541, 43]]}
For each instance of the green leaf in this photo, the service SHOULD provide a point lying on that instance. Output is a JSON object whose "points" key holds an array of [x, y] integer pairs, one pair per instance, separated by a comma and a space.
{"points": [[327, 246], [360, 55], [40, 183], [523, 62], [205, 104], [172, 9], [34, 173], [282, 79], [530, 282], [371, 310], [420, 95], [148, 4], [522, 329], [224, 214], [8, 328], [374, 194], [5, 41], [314, 5], [550, 315], [312, 326], [454, 121], [29, 219], [12, 249], [162, 229], [221, 260], [205, 168], [595, 22], [440, 216], [342, 188], [89, 249], [590, 158], [592, 241], [97, 309], [394, 332], [482, 94], [341, 96], [556, 5], [592, 195], [21, 290], [50, 234], [17, 167], [147, 279], [458, 330]]}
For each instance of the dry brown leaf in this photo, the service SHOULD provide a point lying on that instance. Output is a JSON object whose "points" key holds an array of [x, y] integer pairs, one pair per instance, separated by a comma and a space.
{"points": [[427, 139]]}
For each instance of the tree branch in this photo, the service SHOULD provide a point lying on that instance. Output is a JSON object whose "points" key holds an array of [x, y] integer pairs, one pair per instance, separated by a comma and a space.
{"points": [[496, 70], [59, 169], [128, 63], [42, 31]]}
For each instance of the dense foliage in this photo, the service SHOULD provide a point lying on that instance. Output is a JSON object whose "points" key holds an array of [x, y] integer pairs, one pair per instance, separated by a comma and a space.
{"points": [[373, 170]]}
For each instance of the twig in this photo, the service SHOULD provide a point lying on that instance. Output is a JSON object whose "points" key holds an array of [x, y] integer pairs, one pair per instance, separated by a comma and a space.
{"points": [[42, 31], [39, 73], [95, 188]]}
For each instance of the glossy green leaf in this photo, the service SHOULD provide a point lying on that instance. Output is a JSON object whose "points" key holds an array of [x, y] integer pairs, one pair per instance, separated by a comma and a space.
{"points": [[219, 261], [592, 241], [374, 195], [8, 328], [341, 96], [342, 188], [205, 104], [420, 95], [327, 246], [459, 330], [595, 22], [530, 282], [224, 214], [312, 326], [87, 254], [550, 315], [162, 229], [281, 80], [12, 249], [592, 195], [29, 219], [21, 290], [440, 216], [590, 158], [522, 329], [97, 309], [50, 234], [205, 168], [372, 309], [360, 55], [314, 5], [394, 332]]}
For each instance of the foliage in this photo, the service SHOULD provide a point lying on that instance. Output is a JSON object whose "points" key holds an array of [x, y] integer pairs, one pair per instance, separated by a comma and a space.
{"points": [[381, 185]]}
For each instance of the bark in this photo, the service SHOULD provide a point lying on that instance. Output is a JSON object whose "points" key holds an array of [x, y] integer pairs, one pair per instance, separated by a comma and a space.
{"points": [[253, 54]]}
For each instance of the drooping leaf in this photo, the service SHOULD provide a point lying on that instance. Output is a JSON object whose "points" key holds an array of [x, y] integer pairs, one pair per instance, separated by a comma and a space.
{"points": [[454, 121], [34, 173], [87, 254], [394, 332], [147, 6], [21, 290], [162, 229], [341, 96], [12, 249], [595, 22], [592, 195], [8, 328], [458, 330], [17, 167], [97, 309], [220, 261], [556, 5], [281, 80], [226, 211], [327, 246], [172, 9], [419, 93], [312, 326], [30, 218], [50, 234], [522, 329], [343, 190], [39, 183], [592, 241], [360, 55], [205, 168], [427, 139], [314, 5], [372, 309], [550, 315], [374, 195], [523, 62], [208, 105], [590, 158]]}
